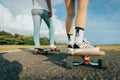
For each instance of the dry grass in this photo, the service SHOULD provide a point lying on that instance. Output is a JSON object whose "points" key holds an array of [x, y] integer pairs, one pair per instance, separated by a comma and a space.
{"points": [[17, 47], [31, 47], [110, 47]]}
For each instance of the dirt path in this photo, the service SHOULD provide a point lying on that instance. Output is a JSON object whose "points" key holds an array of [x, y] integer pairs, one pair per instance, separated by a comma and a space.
{"points": [[23, 65]]}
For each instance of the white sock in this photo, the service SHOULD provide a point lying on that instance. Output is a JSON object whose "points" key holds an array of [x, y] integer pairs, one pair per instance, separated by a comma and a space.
{"points": [[70, 39], [79, 35]]}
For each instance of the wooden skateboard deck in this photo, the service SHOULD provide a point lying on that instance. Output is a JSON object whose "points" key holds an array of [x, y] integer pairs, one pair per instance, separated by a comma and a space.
{"points": [[48, 51], [98, 53]]}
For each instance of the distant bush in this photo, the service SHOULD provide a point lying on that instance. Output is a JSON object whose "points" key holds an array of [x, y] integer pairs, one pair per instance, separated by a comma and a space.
{"points": [[7, 38]]}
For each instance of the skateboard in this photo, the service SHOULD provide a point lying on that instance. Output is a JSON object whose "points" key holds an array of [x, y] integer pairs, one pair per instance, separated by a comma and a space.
{"points": [[47, 51], [101, 63]]}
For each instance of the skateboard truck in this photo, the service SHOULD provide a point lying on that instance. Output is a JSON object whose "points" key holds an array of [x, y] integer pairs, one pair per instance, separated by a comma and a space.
{"points": [[85, 61], [102, 63], [46, 51]]}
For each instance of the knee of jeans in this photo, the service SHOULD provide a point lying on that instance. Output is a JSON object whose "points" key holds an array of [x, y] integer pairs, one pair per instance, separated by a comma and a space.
{"points": [[51, 29], [36, 32]]}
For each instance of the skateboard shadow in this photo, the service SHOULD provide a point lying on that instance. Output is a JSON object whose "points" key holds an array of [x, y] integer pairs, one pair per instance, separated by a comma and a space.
{"points": [[57, 59], [9, 70]]}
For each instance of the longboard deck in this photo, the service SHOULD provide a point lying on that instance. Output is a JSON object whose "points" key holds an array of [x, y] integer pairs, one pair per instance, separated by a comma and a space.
{"points": [[48, 51], [96, 53]]}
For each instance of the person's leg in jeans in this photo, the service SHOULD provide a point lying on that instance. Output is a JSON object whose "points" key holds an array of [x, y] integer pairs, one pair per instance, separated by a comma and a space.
{"points": [[37, 23], [49, 23]]}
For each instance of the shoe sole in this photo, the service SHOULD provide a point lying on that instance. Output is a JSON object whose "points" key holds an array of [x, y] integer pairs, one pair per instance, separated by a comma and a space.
{"points": [[85, 50], [72, 50]]}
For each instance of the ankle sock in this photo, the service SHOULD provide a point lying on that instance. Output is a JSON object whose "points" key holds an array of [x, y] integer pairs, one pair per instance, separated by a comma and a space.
{"points": [[79, 35], [70, 39]]}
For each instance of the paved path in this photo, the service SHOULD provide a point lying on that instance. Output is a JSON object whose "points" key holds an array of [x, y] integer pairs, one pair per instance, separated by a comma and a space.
{"points": [[23, 65]]}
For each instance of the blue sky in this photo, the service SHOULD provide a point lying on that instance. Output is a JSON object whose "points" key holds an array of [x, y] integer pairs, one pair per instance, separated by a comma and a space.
{"points": [[103, 24]]}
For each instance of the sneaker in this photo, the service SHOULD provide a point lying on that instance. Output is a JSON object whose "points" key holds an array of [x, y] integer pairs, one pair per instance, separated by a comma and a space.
{"points": [[53, 48], [70, 48], [84, 47], [38, 51]]}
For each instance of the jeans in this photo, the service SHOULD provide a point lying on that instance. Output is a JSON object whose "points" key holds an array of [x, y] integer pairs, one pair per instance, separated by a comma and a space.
{"points": [[38, 15]]}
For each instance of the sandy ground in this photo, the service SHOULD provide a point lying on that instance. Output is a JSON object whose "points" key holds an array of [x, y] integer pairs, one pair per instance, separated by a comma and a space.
{"points": [[24, 65]]}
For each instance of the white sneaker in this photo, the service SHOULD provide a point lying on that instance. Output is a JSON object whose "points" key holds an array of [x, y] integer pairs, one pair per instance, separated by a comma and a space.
{"points": [[84, 47], [70, 49]]}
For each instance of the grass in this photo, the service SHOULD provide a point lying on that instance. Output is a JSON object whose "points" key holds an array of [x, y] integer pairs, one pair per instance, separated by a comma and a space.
{"points": [[17, 47], [110, 47], [31, 47]]}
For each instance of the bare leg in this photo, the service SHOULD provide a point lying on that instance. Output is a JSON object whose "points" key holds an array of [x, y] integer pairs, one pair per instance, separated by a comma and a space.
{"points": [[81, 20], [82, 13], [70, 8]]}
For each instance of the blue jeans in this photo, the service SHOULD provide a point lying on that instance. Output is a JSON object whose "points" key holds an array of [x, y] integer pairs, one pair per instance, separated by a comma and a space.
{"points": [[38, 15]]}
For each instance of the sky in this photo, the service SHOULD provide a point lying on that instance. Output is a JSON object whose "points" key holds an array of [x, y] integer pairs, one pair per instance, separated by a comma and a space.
{"points": [[103, 21]]}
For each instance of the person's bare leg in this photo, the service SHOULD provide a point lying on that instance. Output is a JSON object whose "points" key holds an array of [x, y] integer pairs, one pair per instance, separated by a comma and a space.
{"points": [[81, 20], [82, 13], [70, 10], [80, 44]]}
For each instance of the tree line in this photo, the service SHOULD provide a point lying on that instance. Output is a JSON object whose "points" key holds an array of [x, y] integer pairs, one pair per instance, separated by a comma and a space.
{"points": [[7, 38]]}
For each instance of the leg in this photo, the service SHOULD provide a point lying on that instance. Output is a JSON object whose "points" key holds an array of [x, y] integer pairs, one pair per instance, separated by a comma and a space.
{"points": [[49, 23], [80, 44], [70, 8], [82, 13], [81, 20], [37, 24]]}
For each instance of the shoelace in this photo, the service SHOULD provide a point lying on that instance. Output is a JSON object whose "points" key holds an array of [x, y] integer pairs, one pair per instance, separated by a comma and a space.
{"points": [[86, 41], [85, 44]]}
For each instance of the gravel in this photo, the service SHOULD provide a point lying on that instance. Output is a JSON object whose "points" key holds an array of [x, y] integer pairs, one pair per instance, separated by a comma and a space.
{"points": [[23, 65]]}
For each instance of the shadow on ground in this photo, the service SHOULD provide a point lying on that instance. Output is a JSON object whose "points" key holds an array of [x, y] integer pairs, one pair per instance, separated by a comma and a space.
{"points": [[57, 59], [9, 70], [60, 59]]}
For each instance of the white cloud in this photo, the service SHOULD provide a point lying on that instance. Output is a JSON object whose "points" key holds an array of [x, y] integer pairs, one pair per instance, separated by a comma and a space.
{"points": [[23, 24], [7, 19], [59, 25], [5, 16], [18, 7], [24, 6]]}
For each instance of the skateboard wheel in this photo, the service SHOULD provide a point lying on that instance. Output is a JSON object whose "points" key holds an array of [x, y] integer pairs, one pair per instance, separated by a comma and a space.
{"points": [[69, 64], [86, 62], [103, 63], [46, 52]]}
